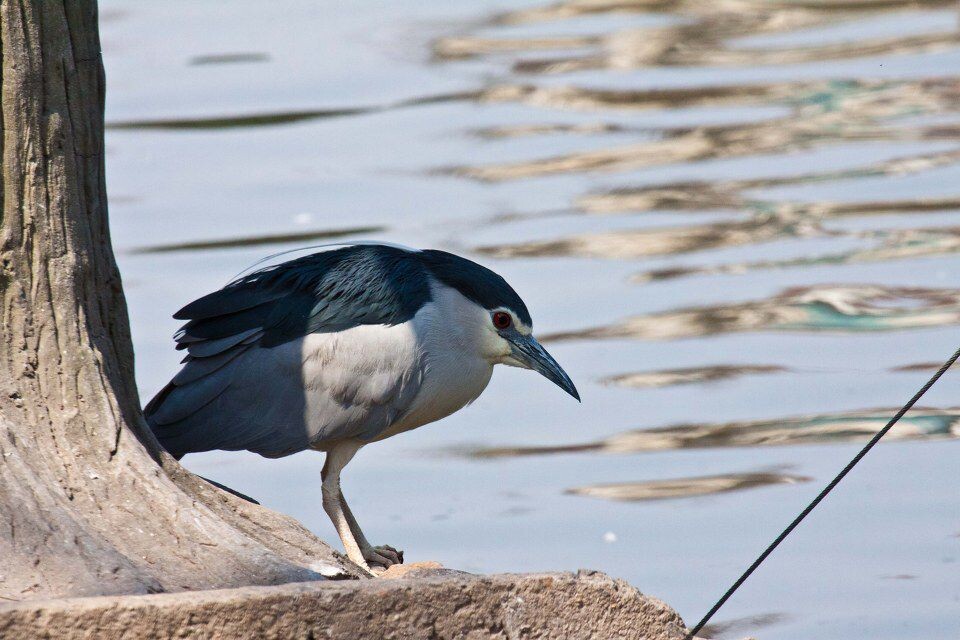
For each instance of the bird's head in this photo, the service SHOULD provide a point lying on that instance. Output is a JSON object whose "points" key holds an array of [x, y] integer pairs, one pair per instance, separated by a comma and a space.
{"points": [[499, 319], [513, 342]]}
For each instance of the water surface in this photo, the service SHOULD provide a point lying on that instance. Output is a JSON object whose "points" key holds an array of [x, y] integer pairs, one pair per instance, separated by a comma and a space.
{"points": [[736, 222]]}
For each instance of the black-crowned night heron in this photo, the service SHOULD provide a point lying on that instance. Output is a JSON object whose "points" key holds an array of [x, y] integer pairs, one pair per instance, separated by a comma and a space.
{"points": [[339, 349]]}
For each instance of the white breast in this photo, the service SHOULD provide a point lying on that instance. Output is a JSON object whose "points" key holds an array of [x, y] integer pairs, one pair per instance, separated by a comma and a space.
{"points": [[374, 381], [359, 381], [454, 372]]}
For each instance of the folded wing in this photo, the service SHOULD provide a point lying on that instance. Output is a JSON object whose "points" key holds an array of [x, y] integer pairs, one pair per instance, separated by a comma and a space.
{"points": [[315, 350]]}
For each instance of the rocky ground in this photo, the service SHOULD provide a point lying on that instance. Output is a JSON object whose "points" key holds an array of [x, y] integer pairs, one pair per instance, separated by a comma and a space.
{"points": [[415, 601]]}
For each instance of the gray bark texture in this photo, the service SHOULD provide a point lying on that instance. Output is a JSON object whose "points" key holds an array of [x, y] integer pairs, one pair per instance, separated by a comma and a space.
{"points": [[89, 504]]}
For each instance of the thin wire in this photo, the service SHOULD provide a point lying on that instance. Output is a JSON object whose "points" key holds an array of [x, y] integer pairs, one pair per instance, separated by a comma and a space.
{"points": [[823, 494]]}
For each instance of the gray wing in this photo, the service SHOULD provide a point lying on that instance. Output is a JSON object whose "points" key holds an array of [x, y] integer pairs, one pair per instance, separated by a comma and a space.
{"points": [[259, 375], [279, 400]]}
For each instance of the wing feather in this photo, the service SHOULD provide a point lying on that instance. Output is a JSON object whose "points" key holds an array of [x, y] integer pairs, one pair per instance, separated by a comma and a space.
{"points": [[225, 325], [207, 348], [244, 385], [231, 299], [185, 400], [265, 408], [196, 368]]}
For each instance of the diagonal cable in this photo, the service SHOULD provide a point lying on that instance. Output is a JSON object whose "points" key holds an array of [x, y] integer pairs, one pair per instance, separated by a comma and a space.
{"points": [[823, 494]]}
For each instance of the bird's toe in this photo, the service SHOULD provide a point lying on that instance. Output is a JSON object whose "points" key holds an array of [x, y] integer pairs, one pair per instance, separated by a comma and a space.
{"points": [[383, 556], [396, 555]]}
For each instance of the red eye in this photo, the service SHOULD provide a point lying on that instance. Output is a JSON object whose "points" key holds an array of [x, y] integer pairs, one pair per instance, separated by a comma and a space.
{"points": [[502, 320]]}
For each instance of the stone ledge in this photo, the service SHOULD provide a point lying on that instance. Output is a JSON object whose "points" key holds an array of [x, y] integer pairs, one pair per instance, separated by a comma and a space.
{"points": [[510, 606]]}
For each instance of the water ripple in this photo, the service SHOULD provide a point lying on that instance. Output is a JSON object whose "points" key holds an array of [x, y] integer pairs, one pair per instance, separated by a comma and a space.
{"points": [[851, 308], [672, 489], [838, 112], [708, 34], [251, 241], [854, 426], [689, 375]]}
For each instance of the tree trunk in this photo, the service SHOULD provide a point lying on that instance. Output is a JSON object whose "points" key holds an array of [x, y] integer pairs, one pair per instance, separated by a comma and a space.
{"points": [[89, 504]]}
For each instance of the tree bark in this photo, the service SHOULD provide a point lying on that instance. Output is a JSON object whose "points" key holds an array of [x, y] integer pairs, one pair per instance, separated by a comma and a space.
{"points": [[89, 504]]}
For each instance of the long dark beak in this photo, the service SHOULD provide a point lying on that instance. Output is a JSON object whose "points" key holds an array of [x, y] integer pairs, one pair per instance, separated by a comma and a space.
{"points": [[530, 354]]}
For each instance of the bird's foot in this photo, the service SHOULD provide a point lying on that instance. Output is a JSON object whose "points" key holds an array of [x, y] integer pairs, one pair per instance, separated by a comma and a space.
{"points": [[379, 559]]}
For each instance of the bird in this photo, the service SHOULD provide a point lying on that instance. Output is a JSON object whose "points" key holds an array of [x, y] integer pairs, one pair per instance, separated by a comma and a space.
{"points": [[339, 349]]}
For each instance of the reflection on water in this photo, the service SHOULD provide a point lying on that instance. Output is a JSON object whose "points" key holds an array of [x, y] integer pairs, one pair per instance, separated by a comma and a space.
{"points": [[685, 487], [919, 366], [657, 242], [899, 244], [229, 58], [526, 130], [838, 112], [698, 196], [231, 243], [235, 121], [736, 628], [691, 375], [278, 117], [620, 161], [626, 50], [600, 99], [855, 426], [851, 308], [706, 36]]}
